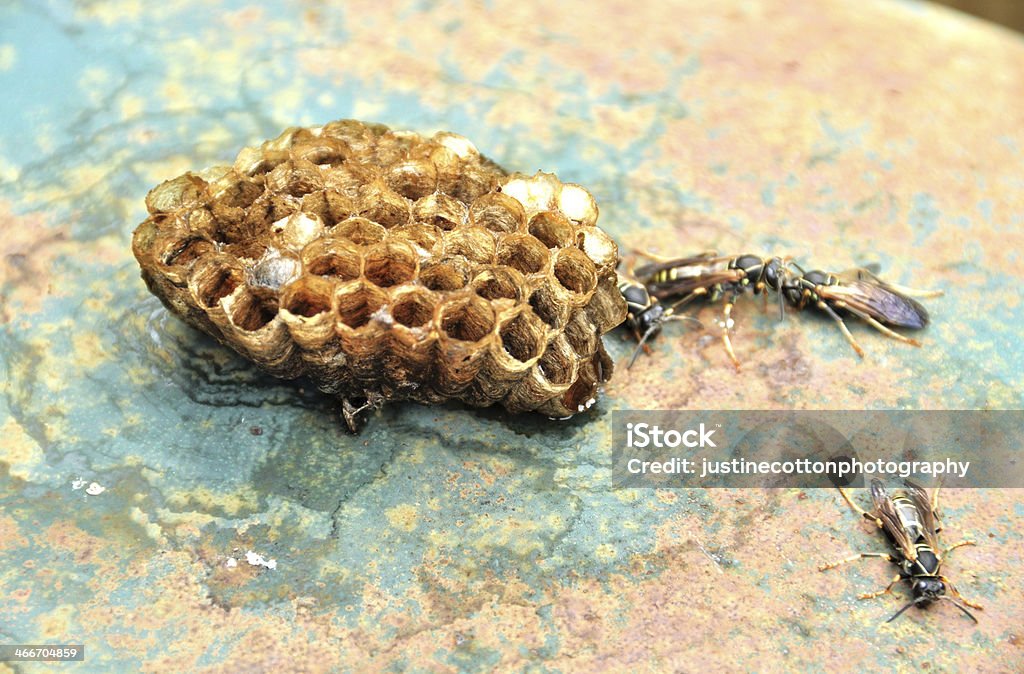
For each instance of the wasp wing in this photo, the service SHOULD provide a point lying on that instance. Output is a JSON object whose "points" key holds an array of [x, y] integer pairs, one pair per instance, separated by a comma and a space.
{"points": [[886, 511], [645, 271], [879, 301], [681, 287], [919, 497]]}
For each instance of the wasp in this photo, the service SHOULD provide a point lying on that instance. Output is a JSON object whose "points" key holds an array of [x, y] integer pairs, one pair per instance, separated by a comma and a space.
{"points": [[714, 277], [910, 523], [861, 293], [645, 314], [857, 291]]}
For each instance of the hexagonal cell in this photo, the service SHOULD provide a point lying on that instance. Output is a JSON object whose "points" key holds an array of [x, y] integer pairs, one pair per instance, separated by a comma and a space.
{"points": [[473, 243], [557, 363], [383, 205], [297, 178], [236, 191], [498, 212], [188, 190], [357, 302], [440, 210], [273, 270], [547, 308], [472, 183], [215, 281], [499, 282], [523, 253], [321, 150], [575, 271], [522, 337], [421, 236], [468, 318], [308, 296], [186, 251], [552, 229], [360, 231], [251, 312], [330, 205], [359, 136], [599, 247], [333, 257], [414, 307], [390, 264], [577, 204], [413, 179], [444, 276], [581, 334]]}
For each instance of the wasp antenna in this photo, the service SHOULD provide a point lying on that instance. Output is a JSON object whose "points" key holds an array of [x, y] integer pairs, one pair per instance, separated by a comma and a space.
{"points": [[960, 606], [636, 352], [910, 603], [677, 317]]}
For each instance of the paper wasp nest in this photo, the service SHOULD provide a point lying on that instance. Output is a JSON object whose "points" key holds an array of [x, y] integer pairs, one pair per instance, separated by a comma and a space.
{"points": [[388, 266]]}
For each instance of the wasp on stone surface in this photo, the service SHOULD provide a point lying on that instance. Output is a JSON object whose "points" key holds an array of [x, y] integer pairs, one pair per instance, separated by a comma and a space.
{"points": [[860, 293], [910, 523], [714, 277], [645, 314]]}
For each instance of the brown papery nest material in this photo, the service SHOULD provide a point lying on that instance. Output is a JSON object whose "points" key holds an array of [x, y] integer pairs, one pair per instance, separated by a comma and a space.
{"points": [[388, 266]]}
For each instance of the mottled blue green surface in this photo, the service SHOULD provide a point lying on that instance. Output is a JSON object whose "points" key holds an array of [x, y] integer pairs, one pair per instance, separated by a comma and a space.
{"points": [[446, 539]]}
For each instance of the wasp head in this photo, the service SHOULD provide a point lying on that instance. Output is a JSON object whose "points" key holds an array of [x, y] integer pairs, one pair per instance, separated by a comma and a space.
{"points": [[926, 590]]}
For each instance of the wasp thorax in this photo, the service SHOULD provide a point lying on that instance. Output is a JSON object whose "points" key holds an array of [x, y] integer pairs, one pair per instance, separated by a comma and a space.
{"points": [[388, 266]]}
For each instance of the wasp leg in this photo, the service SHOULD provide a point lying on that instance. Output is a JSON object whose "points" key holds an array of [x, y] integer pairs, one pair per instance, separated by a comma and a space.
{"points": [[842, 326], [887, 590], [961, 544], [863, 513], [878, 326], [641, 344], [956, 593], [726, 323], [853, 558], [352, 414]]}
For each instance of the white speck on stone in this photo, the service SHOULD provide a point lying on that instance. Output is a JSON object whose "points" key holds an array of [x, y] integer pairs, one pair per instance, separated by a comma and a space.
{"points": [[231, 563], [256, 559], [77, 484], [95, 489]]}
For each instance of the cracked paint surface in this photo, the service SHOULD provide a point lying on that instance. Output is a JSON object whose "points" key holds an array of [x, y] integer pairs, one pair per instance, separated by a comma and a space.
{"points": [[234, 525]]}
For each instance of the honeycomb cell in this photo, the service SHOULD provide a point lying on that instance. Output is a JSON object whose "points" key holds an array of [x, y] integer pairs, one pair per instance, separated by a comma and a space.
{"points": [[251, 312], [308, 297], [360, 231], [215, 280], [444, 276], [575, 271], [498, 212], [357, 302], [413, 308], [523, 253], [390, 264], [467, 319], [522, 337], [499, 282], [474, 243], [552, 229], [440, 210], [186, 251], [334, 257], [295, 177], [413, 179]]}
